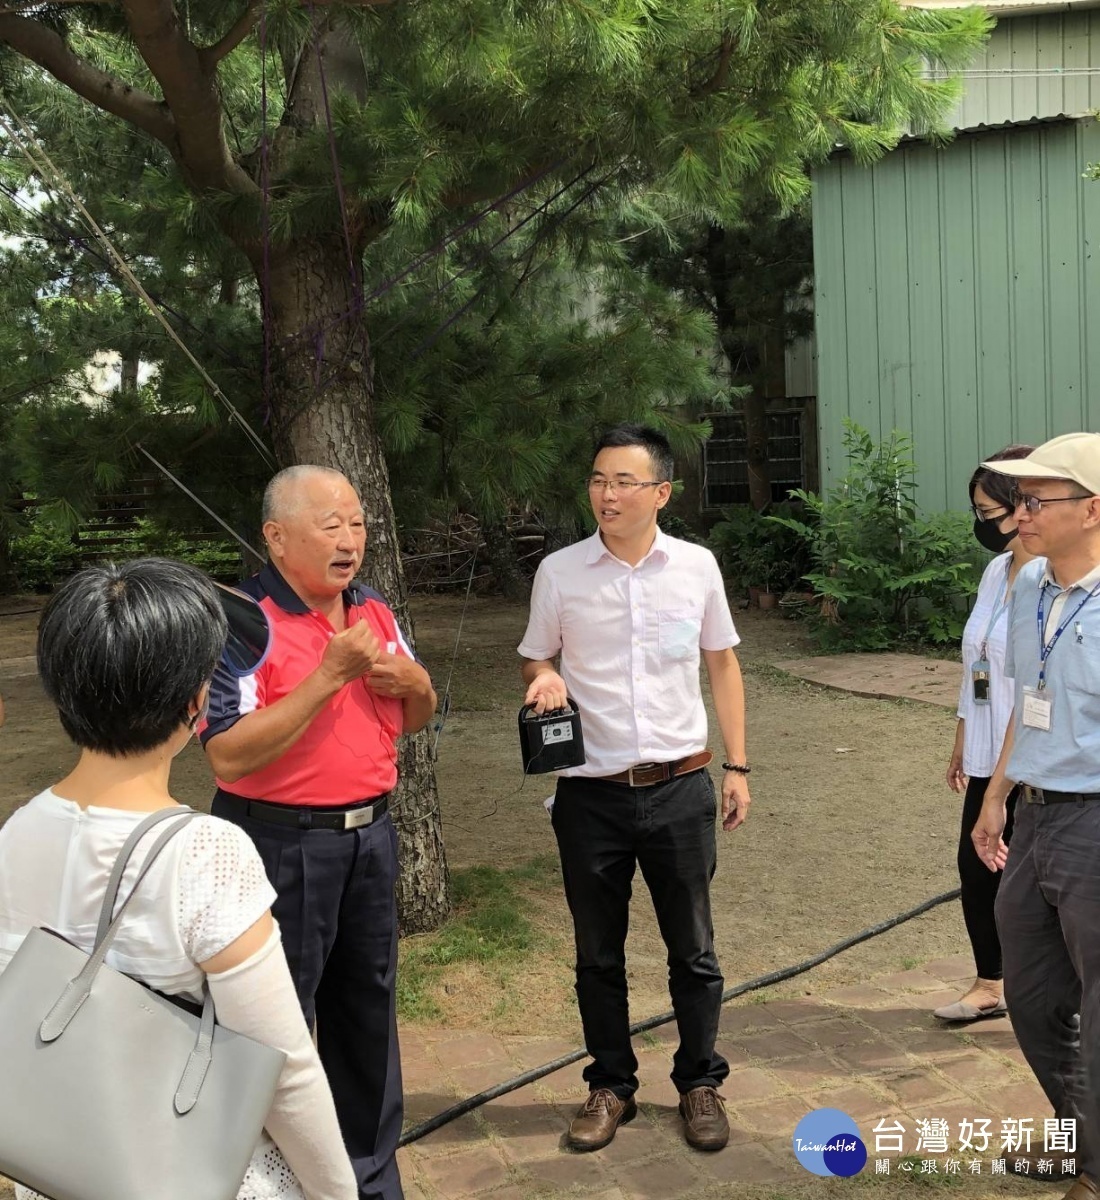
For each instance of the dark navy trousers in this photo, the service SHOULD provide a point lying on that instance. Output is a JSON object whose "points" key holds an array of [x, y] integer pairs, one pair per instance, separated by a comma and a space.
{"points": [[338, 916]]}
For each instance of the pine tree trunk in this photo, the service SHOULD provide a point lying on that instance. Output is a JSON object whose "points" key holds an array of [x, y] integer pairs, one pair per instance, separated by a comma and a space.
{"points": [[8, 581], [756, 449], [321, 397], [503, 561]]}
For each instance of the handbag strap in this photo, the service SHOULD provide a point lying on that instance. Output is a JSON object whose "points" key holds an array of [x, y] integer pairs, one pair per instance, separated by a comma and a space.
{"points": [[107, 911], [78, 989]]}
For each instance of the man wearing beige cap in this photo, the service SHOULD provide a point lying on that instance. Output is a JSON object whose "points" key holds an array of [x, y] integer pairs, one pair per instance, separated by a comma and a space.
{"points": [[1048, 906]]}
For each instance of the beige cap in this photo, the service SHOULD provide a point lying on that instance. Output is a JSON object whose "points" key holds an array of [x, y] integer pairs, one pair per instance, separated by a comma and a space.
{"points": [[1074, 456]]}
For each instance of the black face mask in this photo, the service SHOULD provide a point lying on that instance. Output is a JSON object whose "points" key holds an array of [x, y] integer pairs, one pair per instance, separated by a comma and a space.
{"points": [[992, 537]]}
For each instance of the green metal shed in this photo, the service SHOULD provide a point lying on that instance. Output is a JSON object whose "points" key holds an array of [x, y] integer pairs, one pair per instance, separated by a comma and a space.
{"points": [[956, 288]]}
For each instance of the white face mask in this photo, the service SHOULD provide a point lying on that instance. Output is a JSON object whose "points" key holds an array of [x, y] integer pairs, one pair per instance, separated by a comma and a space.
{"points": [[200, 713]]}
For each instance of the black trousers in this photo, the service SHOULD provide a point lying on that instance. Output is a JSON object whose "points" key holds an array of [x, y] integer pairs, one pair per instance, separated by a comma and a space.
{"points": [[338, 917], [604, 831], [979, 884]]}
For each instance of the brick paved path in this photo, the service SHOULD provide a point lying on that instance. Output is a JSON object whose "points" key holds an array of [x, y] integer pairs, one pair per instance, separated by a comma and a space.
{"points": [[873, 1051]]}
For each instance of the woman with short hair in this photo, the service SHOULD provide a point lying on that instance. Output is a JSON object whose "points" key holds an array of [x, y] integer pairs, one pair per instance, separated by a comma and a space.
{"points": [[126, 654]]}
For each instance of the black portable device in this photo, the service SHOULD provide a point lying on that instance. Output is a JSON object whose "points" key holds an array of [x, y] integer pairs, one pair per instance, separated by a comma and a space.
{"points": [[550, 741]]}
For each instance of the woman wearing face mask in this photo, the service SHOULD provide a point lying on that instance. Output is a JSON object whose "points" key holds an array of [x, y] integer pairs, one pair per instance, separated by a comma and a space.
{"points": [[985, 706]]}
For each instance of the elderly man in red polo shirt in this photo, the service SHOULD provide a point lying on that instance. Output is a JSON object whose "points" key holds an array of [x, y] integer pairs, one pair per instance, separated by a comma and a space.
{"points": [[305, 755]]}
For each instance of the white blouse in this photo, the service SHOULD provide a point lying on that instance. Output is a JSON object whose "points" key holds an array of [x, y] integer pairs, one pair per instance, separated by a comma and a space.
{"points": [[986, 723], [206, 889]]}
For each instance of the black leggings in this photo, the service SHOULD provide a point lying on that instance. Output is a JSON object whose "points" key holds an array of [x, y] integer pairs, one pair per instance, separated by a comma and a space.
{"points": [[980, 884]]}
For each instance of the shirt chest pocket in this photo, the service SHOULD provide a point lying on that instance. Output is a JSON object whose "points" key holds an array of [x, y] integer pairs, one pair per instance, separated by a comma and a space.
{"points": [[1080, 665], [678, 631]]}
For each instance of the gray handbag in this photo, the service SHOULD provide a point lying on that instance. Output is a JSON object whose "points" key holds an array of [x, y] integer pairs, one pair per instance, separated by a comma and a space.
{"points": [[111, 1091]]}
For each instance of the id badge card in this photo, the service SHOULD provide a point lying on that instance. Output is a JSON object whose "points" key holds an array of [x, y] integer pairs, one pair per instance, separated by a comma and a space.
{"points": [[979, 681], [1038, 709]]}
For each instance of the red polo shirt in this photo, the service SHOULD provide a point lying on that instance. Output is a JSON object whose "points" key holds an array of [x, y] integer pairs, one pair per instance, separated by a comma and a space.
{"points": [[349, 750]]}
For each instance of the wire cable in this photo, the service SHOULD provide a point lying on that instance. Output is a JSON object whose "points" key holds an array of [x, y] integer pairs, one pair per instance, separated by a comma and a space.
{"points": [[43, 165], [445, 703], [205, 507], [536, 1073]]}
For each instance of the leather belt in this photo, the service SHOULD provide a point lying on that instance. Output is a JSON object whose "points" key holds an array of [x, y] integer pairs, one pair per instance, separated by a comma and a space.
{"points": [[1035, 795], [647, 774], [352, 816]]}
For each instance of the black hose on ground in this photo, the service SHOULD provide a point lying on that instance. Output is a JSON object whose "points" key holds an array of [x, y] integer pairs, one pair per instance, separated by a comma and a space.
{"points": [[510, 1085]]}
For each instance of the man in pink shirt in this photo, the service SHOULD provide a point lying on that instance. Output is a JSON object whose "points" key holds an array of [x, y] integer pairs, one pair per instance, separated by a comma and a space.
{"points": [[629, 611]]}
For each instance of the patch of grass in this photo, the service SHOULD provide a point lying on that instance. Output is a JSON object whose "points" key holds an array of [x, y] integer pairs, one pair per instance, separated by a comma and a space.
{"points": [[769, 673], [490, 928], [415, 1001], [909, 964], [543, 872]]}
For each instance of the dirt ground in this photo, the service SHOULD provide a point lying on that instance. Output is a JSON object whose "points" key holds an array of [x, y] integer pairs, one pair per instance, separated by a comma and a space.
{"points": [[851, 820]]}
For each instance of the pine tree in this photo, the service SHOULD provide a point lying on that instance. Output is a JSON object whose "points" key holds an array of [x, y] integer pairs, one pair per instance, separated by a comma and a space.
{"points": [[753, 277], [382, 120]]}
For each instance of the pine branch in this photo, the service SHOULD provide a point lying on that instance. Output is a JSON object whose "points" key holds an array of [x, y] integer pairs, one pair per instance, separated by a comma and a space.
{"points": [[191, 94], [17, 9], [721, 77], [48, 49], [210, 56]]}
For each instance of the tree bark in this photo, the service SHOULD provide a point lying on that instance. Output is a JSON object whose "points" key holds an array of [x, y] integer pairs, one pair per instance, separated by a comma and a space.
{"points": [[128, 372], [755, 409], [321, 399], [503, 561], [743, 357]]}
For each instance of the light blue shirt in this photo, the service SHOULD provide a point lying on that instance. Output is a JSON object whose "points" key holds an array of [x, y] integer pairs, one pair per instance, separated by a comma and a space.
{"points": [[1067, 757]]}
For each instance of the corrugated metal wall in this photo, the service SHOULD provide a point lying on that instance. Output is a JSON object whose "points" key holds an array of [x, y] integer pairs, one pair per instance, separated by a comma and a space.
{"points": [[955, 291], [1055, 41]]}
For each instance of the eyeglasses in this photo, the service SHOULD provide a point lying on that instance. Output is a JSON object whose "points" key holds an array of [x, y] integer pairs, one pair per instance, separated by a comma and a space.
{"points": [[597, 483], [996, 513], [1034, 504]]}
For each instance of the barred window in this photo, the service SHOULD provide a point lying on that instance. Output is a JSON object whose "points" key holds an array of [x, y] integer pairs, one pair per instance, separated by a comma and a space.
{"points": [[725, 458]]}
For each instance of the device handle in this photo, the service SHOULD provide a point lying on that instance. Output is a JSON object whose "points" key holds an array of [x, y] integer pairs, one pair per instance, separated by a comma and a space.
{"points": [[527, 712]]}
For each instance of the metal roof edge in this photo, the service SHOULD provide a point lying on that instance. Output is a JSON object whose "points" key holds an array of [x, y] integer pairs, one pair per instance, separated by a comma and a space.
{"points": [[912, 139], [1006, 8]]}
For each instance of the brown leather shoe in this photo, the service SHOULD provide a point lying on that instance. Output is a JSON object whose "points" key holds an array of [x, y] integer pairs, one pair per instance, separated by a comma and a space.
{"points": [[1082, 1189], [599, 1117], [706, 1126]]}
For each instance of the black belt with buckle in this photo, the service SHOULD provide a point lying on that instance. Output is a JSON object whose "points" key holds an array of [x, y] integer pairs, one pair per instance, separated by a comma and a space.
{"points": [[351, 816], [1036, 795]]}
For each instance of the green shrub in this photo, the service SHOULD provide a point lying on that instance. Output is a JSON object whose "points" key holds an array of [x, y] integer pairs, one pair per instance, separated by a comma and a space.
{"points": [[883, 570], [47, 553], [43, 556], [754, 551]]}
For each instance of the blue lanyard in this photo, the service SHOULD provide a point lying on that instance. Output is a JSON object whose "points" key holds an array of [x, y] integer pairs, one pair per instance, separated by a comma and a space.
{"points": [[1046, 647], [999, 606]]}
